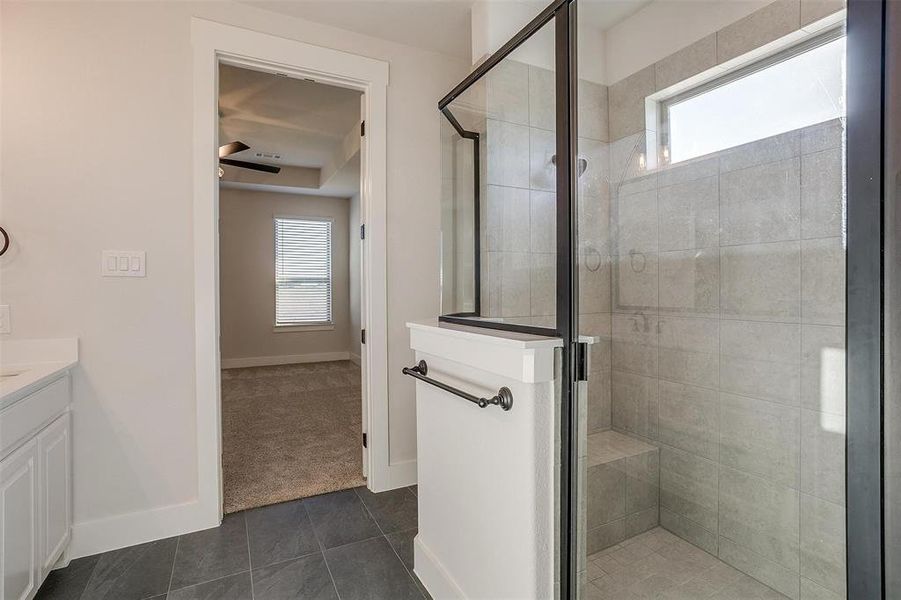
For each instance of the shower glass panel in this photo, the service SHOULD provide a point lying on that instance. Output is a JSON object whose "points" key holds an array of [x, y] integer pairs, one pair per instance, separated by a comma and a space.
{"points": [[498, 226], [712, 282]]}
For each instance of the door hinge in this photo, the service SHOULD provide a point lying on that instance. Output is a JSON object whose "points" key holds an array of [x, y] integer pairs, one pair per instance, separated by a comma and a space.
{"points": [[363, 336], [363, 231], [362, 128], [365, 441], [581, 361]]}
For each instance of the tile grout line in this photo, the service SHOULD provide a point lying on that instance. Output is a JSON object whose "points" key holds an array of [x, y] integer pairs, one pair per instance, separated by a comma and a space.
{"points": [[172, 571], [249, 559], [321, 550], [409, 574]]}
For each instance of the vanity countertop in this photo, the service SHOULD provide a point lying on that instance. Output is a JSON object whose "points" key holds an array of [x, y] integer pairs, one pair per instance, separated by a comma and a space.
{"points": [[28, 365]]}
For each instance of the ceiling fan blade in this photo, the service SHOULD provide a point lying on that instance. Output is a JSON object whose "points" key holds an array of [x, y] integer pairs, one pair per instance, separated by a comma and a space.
{"points": [[232, 148], [250, 165]]}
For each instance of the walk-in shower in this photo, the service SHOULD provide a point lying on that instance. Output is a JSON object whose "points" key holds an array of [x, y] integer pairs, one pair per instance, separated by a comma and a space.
{"points": [[669, 193]]}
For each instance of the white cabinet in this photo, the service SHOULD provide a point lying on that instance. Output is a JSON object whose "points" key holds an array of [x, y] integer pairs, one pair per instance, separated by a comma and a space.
{"points": [[19, 523], [35, 488], [55, 513]]}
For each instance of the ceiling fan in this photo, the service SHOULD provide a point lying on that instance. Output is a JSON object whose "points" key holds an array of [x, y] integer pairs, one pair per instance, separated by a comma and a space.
{"points": [[235, 147]]}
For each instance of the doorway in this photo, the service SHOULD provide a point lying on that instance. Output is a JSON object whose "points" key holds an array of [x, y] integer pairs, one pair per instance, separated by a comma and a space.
{"points": [[215, 44]]}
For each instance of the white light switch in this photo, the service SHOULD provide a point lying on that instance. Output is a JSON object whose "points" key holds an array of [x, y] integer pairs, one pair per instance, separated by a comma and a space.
{"points": [[123, 263], [4, 318]]}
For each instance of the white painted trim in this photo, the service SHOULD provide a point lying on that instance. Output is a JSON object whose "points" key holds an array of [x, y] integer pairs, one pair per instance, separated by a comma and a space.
{"points": [[214, 43], [354, 358], [290, 359], [120, 531], [432, 574]]}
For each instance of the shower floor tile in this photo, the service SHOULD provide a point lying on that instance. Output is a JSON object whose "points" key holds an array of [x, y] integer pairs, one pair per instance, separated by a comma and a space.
{"points": [[657, 565]]}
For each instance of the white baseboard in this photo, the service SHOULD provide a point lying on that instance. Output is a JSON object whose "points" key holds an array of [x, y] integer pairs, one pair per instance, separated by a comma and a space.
{"points": [[291, 359], [355, 359], [111, 533], [437, 581]]}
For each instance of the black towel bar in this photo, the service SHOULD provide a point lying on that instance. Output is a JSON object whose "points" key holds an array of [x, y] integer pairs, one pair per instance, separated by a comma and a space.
{"points": [[504, 397]]}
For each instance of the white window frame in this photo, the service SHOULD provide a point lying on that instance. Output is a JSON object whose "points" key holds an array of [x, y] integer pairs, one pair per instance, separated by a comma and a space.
{"points": [[325, 325], [664, 104]]}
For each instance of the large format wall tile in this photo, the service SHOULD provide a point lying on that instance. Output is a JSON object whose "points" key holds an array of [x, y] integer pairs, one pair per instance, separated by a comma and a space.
{"points": [[760, 516], [642, 482], [823, 281], [687, 62], [760, 282], [689, 215], [822, 136], [543, 221], [594, 222], [508, 219], [688, 418], [542, 100], [594, 285], [542, 287], [761, 360], [761, 204], [823, 455], [760, 567], [690, 282], [760, 27], [772, 149], [635, 404], [635, 222], [689, 486], [627, 103], [814, 10], [635, 283], [541, 146], [508, 154], [822, 194], [688, 350], [635, 344], [823, 543], [507, 92], [593, 111], [823, 368], [760, 437], [606, 493], [595, 179]]}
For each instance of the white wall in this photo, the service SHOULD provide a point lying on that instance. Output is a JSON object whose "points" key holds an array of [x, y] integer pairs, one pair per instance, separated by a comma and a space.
{"points": [[354, 307], [247, 279], [97, 154]]}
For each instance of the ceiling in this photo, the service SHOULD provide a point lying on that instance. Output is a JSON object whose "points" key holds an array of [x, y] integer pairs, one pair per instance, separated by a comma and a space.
{"points": [[294, 122], [439, 25]]}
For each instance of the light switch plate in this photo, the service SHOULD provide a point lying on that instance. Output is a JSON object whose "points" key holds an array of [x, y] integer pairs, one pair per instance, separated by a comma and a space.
{"points": [[4, 318], [123, 263]]}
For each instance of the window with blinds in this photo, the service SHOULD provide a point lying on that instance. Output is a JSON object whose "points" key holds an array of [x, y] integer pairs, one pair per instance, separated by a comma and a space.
{"points": [[303, 271]]}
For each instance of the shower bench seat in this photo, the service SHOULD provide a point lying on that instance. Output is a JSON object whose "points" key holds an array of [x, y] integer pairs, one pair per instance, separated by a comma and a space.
{"points": [[623, 475]]}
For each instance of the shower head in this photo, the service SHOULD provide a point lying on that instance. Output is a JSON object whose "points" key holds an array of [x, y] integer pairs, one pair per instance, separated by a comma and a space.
{"points": [[581, 164]]}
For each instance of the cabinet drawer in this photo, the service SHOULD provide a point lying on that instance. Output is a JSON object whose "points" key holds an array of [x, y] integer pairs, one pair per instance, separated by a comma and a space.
{"points": [[27, 416]]}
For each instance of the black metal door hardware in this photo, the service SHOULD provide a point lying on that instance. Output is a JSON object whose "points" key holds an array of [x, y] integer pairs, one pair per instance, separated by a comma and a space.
{"points": [[504, 397]]}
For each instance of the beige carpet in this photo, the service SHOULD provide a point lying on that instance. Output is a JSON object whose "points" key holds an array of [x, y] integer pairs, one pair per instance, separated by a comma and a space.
{"points": [[290, 432]]}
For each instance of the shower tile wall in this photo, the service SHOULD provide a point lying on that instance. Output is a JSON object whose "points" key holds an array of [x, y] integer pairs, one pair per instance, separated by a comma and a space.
{"points": [[727, 328], [519, 269]]}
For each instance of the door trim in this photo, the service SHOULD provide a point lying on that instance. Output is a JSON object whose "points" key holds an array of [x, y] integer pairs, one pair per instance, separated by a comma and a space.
{"points": [[214, 43]]}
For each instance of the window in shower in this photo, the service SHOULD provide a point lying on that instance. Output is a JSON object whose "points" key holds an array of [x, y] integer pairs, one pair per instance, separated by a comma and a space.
{"points": [[798, 87]]}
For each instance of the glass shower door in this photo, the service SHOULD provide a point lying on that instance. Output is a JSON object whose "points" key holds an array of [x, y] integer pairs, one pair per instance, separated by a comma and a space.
{"points": [[711, 237]]}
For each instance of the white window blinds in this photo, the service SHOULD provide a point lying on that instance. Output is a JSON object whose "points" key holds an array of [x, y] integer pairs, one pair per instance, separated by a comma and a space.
{"points": [[303, 271]]}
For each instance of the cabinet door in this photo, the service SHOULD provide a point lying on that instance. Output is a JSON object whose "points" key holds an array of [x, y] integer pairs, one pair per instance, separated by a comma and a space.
{"points": [[18, 523], [54, 518]]}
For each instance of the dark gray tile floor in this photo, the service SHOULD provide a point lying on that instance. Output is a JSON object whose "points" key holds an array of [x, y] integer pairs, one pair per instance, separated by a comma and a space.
{"points": [[346, 545]]}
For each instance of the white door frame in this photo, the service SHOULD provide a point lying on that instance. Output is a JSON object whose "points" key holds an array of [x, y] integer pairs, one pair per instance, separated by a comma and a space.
{"points": [[214, 43]]}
